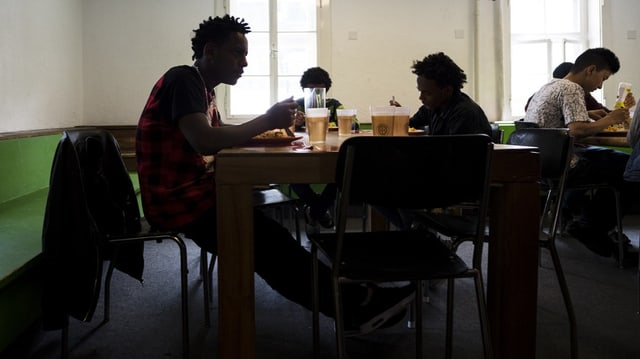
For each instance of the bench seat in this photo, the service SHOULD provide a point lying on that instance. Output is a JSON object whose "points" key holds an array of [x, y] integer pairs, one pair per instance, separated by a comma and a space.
{"points": [[20, 233]]}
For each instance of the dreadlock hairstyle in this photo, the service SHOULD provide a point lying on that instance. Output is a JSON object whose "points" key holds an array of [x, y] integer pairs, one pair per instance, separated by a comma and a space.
{"points": [[316, 75], [441, 69], [216, 30], [604, 59]]}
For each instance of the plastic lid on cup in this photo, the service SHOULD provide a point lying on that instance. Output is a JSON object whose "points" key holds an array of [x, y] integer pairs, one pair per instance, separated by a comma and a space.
{"points": [[402, 111], [317, 112], [382, 110], [346, 111]]}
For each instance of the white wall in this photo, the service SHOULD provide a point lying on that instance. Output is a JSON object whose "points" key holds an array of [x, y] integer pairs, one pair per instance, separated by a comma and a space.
{"points": [[72, 62], [376, 66], [127, 46], [40, 64], [622, 21]]}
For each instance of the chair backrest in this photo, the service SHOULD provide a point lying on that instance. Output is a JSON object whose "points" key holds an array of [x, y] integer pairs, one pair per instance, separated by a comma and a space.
{"points": [[555, 146], [90, 198], [414, 172], [520, 124], [419, 172], [556, 149], [497, 134]]}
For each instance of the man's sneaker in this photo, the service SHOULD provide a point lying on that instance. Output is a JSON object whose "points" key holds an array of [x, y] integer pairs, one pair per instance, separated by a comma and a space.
{"points": [[595, 240], [325, 220], [386, 307], [630, 254]]}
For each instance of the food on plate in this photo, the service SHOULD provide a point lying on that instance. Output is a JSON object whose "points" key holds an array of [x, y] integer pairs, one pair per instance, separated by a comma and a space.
{"points": [[621, 127], [332, 125], [277, 133]]}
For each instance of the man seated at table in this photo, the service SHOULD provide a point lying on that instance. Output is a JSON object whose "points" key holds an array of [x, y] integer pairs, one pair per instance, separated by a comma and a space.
{"points": [[561, 103], [316, 205], [595, 109], [445, 110], [180, 125]]}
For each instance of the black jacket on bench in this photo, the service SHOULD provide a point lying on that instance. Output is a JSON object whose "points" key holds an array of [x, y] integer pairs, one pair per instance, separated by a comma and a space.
{"points": [[91, 197]]}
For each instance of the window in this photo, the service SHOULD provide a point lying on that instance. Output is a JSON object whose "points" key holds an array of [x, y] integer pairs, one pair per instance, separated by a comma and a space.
{"points": [[545, 33], [282, 45]]}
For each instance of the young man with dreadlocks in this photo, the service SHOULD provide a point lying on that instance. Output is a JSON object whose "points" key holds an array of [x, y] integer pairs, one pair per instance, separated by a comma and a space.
{"points": [[180, 125]]}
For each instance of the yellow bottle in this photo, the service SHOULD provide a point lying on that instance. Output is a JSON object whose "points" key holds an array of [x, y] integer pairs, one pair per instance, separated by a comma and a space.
{"points": [[624, 88]]}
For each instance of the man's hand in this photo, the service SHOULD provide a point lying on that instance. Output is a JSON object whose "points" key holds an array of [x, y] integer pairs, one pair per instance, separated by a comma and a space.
{"points": [[282, 114]]}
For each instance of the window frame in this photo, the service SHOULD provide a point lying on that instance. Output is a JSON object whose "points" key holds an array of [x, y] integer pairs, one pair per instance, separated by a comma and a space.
{"points": [[588, 35], [223, 91]]}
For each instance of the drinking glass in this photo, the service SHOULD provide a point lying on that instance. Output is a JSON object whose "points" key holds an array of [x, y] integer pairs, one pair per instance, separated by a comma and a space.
{"points": [[317, 124]]}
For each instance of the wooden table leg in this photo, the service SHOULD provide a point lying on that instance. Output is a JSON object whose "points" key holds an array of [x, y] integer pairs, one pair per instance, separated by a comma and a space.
{"points": [[236, 310], [512, 283]]}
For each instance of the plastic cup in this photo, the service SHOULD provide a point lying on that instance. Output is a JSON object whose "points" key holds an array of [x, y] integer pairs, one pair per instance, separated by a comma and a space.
{"points": [[315, 98], [345, 121], [382, 120], [317, 123], [401, 121]]}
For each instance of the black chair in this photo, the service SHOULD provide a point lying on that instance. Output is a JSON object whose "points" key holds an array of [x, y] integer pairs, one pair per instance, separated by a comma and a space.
{"points": [[92, 215], [428, 172], [556, 149], [520, 124], [497, 134]]}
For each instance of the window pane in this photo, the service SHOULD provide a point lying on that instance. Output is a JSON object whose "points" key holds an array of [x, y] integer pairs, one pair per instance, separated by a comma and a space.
{"points": [[253, 11], [278, 53], [296, 15], [556, 18], [250, 95], [289, 86], [529, 71], [526, 16], [259, 54], [296, 52]]}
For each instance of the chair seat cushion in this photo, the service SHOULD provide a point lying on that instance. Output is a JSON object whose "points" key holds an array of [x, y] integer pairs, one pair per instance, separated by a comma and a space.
{"points": [[393, 255]]}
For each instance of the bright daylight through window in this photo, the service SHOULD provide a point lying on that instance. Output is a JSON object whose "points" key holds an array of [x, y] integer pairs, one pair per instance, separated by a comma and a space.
{"points": [[544, 33], [281, 47]]}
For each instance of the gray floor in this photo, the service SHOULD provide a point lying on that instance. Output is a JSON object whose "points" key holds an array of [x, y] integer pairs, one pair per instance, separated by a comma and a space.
{"points": [[146, 323]]}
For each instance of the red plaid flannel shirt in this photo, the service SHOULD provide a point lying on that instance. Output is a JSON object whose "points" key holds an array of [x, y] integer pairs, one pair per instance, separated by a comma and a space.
{"points": [[175, 185]]}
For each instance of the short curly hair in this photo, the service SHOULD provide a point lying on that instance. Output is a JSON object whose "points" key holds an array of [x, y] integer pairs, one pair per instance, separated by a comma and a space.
{"points": [[603, 58], [315, 75], [440, 68], [216, 30]]}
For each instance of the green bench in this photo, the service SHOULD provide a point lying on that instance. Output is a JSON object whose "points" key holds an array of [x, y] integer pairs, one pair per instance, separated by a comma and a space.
{"points": [[25, 164]]}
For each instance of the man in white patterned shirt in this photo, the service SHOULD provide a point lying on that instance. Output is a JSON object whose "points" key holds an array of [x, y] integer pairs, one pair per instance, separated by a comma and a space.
{"points": [[560, 103]]}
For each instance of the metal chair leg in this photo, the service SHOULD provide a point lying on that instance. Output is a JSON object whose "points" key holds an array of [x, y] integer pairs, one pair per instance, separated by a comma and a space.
{"points": [[573, 335], [206, 286]]}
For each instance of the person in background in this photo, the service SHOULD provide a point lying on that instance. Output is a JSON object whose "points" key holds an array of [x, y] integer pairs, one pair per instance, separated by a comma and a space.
{"points": [[317, 77], [445, 110], [316, 205], [595, 109], [561, 103], [180, 125]]}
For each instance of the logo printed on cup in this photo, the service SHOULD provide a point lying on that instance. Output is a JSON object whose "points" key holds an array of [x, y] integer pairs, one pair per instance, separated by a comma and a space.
{"points": [[382, 120]]}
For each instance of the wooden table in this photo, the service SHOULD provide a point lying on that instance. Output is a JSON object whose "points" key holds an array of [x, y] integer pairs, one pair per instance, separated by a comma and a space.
{"points": [[512, 261], [618, 140]]}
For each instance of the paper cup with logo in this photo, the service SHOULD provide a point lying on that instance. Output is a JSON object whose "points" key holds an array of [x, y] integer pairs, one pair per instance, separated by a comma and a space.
{"points": [[317, 123], [401, 121], [382, 120], [345, 120]]}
